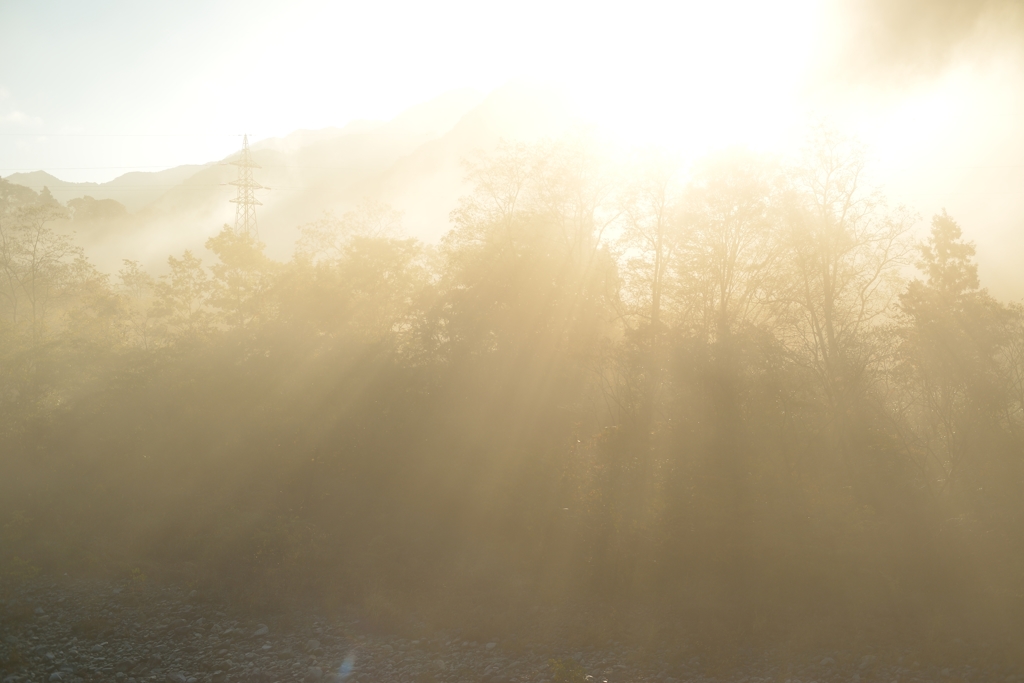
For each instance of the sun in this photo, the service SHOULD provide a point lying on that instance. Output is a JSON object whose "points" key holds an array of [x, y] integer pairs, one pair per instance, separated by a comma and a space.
{"points": [[709, 76]]}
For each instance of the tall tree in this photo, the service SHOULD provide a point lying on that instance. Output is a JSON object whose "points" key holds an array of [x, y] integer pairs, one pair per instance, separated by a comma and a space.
{"points": [[36, 261], [137, 288], [183, 299], [242, 278], [649, 243], [846, 250], [953, 345]]}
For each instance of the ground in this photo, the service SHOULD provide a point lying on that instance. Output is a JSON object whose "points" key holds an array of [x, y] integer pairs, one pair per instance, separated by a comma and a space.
{"points": [[85, 631]]}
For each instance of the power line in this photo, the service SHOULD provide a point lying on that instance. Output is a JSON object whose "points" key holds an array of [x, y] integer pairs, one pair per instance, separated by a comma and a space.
{"points": [[19, 169], [158, 187], [123, 135], [245, 201], [169, 167], [98, 168]]}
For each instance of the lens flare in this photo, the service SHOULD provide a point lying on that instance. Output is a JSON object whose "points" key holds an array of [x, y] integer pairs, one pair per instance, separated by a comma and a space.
{"points": [[345, 670]]}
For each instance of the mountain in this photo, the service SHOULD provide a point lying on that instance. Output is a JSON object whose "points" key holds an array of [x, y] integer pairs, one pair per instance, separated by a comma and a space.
{"points": [[134, 190], [413, 162]]}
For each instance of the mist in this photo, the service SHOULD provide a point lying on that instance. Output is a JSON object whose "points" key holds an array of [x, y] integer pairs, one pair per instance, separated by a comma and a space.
{"points": [[524, 380], [909, 39]]}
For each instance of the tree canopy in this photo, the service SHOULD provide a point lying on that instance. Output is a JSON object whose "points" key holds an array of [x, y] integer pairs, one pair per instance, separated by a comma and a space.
{"points": [[709, 398]]}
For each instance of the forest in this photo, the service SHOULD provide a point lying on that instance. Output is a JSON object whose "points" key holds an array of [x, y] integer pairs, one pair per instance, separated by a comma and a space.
{"points": [[744, 404]]}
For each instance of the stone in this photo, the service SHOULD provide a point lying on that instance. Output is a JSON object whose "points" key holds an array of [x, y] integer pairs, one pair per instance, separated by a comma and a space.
{"points": [[491, 646], [261, 630], [176, 678], [56, 677], [312, 644], [828, 661]]}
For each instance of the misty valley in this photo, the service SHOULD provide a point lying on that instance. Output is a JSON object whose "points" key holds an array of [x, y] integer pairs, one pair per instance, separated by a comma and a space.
{"points": [[533, 342], [623, 422]]}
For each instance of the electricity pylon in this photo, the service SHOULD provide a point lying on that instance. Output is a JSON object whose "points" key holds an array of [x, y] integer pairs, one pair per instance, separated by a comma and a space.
{"points": [[245, 202]]}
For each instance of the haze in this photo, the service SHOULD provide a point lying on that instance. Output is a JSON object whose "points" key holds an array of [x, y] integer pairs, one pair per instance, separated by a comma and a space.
{"points": [[514, 343]]}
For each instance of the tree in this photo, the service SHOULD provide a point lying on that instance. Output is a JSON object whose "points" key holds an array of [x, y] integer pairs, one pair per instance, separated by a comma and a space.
{"points": [[525, 260], [183, 299], [325, 239], [356, 279], [137, 288], [845, 252], [36, 261], [13, 202], [650, 241], [954, 339], [241, 279], [731, 252], [58, 317], [727, 285]]}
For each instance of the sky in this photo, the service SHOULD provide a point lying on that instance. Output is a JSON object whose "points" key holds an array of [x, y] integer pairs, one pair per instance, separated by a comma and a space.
{"points": [[179, 81], [90, 90]]}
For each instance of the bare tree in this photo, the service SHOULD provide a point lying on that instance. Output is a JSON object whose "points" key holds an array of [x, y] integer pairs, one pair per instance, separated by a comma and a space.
{"points": [[649, 243], [730, 255], [324, 239], [845, 251], [36, 262]]}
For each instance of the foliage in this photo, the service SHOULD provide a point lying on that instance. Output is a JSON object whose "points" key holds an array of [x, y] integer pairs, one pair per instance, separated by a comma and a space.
{"points": [[705, 401]]}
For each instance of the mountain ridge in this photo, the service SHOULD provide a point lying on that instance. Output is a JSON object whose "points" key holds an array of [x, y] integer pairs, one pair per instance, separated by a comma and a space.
{"points": [[412, 161]]}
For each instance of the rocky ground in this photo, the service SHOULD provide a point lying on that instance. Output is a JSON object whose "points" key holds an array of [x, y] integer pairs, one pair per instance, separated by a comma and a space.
{"points": [[86, 631]]}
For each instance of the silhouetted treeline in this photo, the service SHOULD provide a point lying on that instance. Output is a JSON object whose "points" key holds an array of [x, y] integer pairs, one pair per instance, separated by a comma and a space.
{"points": [[742, 404]]}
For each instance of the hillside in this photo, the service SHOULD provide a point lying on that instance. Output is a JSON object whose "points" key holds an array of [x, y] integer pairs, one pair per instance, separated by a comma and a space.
{"points": [[134, 190], [412, 162]]}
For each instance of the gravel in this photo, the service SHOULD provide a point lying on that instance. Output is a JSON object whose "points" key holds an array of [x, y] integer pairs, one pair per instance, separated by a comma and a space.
{"points": [[87, 631]]}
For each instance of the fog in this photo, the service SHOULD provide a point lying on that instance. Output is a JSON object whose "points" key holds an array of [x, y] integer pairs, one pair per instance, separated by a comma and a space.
{"points": [[706, 366]]}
